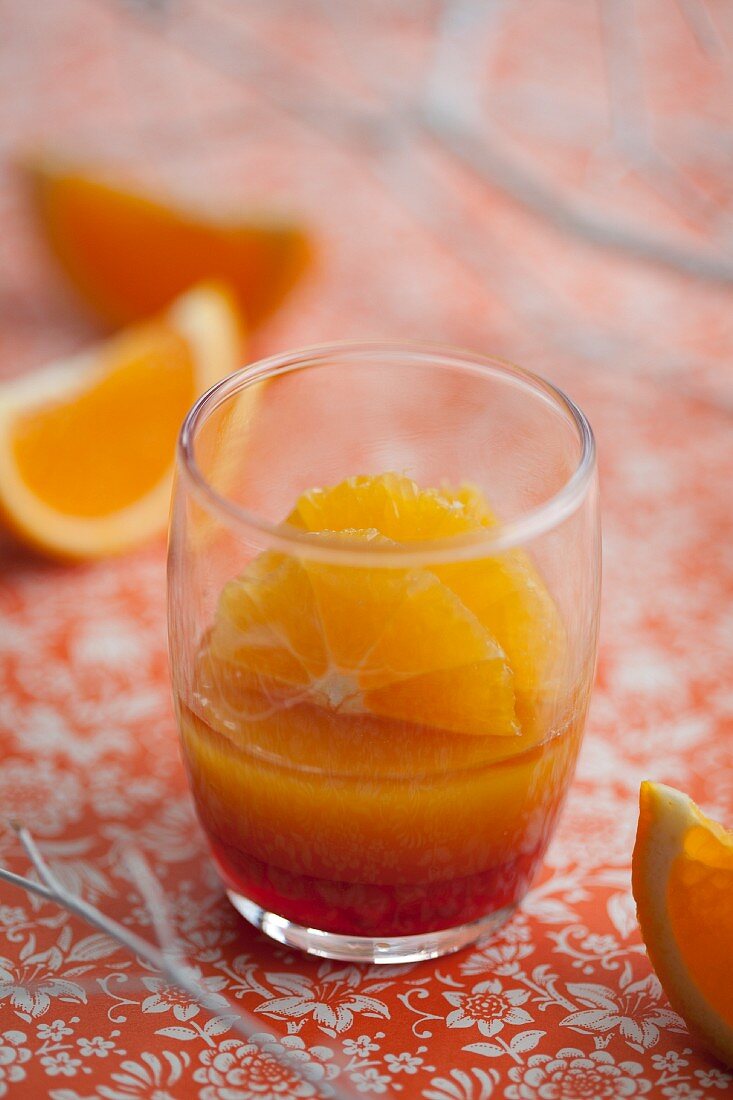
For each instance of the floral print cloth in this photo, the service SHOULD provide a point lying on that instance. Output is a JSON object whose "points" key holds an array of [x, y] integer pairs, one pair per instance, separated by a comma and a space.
{"points": [[561, 1004]]}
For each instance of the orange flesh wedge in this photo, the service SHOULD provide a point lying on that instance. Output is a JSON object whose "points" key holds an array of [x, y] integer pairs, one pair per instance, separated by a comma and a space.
{"points": [[504, 592], [399, 643], [682, 875], [51, 443], [129, 254], [87, 446], [390, 642]]}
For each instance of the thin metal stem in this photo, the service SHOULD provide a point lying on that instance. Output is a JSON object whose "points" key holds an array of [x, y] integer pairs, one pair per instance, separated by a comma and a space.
{"points": [[498, 170], [164, 958], [154, 899]]}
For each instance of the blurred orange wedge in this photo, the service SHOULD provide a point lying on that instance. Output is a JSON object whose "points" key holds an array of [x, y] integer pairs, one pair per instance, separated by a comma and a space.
{"points": [[128, 254], [682, 875], [87, 445]]}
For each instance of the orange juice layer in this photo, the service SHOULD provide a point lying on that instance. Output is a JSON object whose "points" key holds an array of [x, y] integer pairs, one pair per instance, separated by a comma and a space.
{"points": [[335, 821], [382, 751]]}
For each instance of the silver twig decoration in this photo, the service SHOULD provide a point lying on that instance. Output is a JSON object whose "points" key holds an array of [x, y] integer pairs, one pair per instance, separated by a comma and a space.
{"points": [[164, 956]]}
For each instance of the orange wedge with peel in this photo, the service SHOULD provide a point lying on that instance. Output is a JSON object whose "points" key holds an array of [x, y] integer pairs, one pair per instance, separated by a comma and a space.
{"points": [[87, 445], [129, 254], [682, 876]]}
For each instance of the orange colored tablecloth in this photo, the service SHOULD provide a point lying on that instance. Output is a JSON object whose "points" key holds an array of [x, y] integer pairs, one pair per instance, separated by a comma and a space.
{"points": [[562, 1003]]}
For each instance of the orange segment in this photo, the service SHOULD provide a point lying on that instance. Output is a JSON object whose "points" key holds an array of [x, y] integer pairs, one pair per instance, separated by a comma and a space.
{"points": [[505, 593], [474, 698], [449, 636], [392, 504], [353, 604], [365, 641], [682, 877], [87, 446], [129, 254], [267, 622], [398, 643]]}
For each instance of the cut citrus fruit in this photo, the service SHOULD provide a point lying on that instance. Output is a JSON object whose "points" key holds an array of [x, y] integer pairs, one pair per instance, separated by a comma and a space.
{"points": [[386, 642], [393, 505], [87, 446], [410, 644], [504, 592], [352, 732], [682, 876], [129, 254]]}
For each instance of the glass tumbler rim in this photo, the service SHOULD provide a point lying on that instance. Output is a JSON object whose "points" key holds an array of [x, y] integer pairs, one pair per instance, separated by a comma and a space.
{"points": [[505, 535]]}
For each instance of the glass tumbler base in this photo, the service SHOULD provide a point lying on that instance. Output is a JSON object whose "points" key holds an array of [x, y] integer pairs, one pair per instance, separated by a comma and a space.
{"points": [[368, 949]]}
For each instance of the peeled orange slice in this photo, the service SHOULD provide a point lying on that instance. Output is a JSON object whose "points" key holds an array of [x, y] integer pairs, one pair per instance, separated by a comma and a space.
{"points": [[394, 506], [410, 644], [389, 642], [129, 254], [504, 592], [87, 445], [682, 876]]}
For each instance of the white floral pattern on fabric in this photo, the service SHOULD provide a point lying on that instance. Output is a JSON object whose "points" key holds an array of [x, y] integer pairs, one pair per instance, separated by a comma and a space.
{"points": [[13, 1055], [636, 1013], [489, 1006], [41, 793], [457, 1085], [97, 1046], [166, 998], [683, 1091], [713, 1078], [403, 1063], [575, 933], [331, 1002], [153, 1077], [361, 1047], [238, 1070], [571, 1074], [53, 1032], [61, 1064], [31, 985], [370, 1080]]}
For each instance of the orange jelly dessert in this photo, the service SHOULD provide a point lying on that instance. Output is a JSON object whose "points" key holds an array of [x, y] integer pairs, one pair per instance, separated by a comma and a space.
{"points": [[382, 750]]}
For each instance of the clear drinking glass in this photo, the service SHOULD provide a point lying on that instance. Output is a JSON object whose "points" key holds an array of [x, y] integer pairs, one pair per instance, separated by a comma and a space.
{"points": [[384, 583]]}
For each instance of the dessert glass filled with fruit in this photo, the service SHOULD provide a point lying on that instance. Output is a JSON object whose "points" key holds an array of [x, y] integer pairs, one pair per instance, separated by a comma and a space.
{"points": [[383, 599]]}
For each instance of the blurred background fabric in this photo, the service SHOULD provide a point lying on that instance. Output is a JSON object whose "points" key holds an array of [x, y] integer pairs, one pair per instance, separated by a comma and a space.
{"points": [[547, 181], [486, 145]]}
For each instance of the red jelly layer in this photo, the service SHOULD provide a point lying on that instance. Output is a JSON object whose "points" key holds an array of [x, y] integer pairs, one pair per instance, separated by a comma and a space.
{"points": [[372, 909]]}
